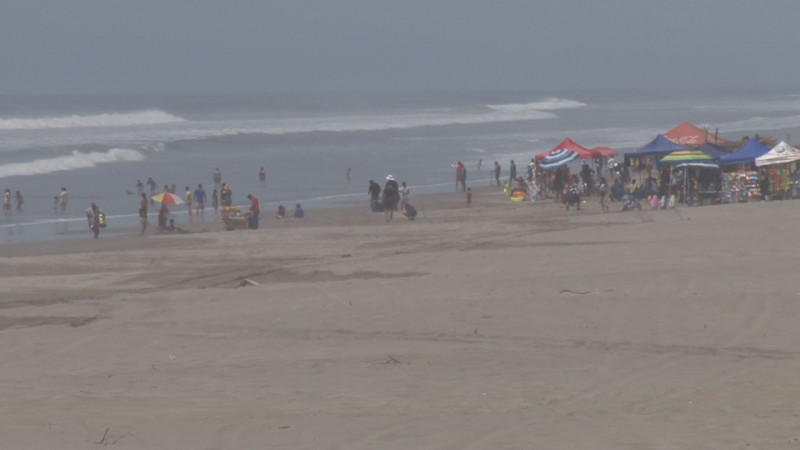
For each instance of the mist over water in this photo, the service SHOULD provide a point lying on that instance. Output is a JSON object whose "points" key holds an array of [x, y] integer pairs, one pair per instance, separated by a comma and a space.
{"points": [[98, 146]]}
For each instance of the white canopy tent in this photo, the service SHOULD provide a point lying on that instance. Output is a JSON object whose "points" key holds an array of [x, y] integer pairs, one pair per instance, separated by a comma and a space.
{"points": [[782, 153]]}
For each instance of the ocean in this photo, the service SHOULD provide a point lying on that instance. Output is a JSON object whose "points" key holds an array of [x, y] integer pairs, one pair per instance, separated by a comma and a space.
{"points": [[98, 146]]}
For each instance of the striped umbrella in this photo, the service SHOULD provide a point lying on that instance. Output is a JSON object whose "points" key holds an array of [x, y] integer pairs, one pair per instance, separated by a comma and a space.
{"points": [[686, 156], [557, 157], [167, 198]]}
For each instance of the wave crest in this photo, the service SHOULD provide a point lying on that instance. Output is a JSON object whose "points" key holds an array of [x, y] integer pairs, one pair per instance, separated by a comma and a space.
{"points": [[76, 160], [548, 104], [92, 121]]}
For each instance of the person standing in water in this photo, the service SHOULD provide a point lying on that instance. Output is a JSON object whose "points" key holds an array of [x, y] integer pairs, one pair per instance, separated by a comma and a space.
{"points": [[20, 200], [347, 176], [62, 200], [217, 177], [262, 176]]}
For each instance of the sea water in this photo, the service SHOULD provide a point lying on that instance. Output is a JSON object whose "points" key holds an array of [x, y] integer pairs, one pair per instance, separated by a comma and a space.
{"points": [[98, 146]]}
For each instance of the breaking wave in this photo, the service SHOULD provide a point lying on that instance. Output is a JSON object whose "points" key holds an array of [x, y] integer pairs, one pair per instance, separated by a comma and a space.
{"points": [[92, 121], [76, 160], [548, 104]]}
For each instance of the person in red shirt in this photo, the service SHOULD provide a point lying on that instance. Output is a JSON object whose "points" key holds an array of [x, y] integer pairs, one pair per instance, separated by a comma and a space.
{"points": [[458, 174], [253, 211]]}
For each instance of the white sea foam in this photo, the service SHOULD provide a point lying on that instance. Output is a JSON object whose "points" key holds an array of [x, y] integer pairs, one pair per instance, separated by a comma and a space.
{"points": [[548, 104], [76, 160], [92, 121]]}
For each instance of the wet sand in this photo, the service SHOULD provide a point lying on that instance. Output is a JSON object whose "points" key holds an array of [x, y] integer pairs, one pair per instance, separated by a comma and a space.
{"points": [[499, 326]]}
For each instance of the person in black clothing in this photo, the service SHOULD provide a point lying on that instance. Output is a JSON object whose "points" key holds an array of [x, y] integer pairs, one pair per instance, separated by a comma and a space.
{"points": [[390, 197], [374, 192]]}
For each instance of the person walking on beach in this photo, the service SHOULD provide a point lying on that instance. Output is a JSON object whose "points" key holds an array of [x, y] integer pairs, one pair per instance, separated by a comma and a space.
{"points": [[200, 203], [19, 200], [512, 172], [463, 178], [347, 176], [253, 212], [374, 192], [95, 220], [7, 203], [480, 163], [143, 212], [390, 193], [603, 192], [497, 173], [188, 199], [262, 176], [62, 200]]}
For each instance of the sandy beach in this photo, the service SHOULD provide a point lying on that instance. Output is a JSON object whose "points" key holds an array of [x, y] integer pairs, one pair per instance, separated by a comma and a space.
{"points": [[499, 326]]}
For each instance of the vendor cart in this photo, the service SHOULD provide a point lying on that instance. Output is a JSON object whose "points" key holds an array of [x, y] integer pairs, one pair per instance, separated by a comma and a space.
{"points": [[233, 218]]}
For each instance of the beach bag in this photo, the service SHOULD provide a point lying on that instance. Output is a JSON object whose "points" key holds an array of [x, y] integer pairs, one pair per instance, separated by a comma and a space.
{"points": [[101, 219]]}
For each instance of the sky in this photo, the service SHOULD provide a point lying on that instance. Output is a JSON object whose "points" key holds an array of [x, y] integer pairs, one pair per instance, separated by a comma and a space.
{"points": [[204, 46]]}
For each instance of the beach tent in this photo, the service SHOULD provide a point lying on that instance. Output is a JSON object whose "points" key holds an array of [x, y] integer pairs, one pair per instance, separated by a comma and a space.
{"points": [[691, 136], [660, 146], [747, 153], [716, 151], [687, 157], [782, 153], [561, 154], [602, 152]]}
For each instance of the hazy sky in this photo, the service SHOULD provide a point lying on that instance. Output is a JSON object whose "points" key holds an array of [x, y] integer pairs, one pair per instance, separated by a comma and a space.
{"points": [[349, 45]]}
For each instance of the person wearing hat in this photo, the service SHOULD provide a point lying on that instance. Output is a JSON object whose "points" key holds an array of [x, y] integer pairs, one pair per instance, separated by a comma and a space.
{"points": [[390, 197]]}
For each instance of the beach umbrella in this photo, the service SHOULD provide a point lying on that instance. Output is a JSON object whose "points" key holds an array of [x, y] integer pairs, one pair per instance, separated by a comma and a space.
{"points": [[686, 156], [557, 158], [167, 198]]}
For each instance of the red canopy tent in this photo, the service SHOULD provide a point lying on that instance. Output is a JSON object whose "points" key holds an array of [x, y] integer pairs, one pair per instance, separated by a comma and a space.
{"points": [[689, 135], [566, 144], [602, 152]]}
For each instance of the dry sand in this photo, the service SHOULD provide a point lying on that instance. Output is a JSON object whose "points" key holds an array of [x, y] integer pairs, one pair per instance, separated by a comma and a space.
{"points": [[499, 326]]}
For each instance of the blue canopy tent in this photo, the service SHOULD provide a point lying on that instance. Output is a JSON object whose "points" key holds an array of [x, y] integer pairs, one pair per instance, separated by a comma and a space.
{"points": [[715, 151], [746, 154], [660, 146]]}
